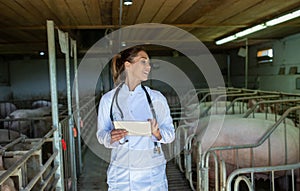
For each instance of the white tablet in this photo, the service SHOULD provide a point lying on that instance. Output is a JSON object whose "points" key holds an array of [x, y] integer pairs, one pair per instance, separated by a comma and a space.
{"points": [[141, 128]]}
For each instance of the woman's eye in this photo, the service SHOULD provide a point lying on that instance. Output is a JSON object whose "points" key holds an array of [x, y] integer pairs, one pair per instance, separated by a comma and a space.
{"points": [[145, 62]]}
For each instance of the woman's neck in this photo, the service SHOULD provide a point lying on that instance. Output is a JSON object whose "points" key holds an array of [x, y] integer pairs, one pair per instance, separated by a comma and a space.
{"points": [[132, 84]]}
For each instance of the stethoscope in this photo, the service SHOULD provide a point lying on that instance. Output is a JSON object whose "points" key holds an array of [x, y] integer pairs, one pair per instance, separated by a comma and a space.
{"points": [[115, 99]]}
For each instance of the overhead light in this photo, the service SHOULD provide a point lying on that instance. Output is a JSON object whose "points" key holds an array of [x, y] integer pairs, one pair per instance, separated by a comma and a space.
{"points": [[227, 39], [250, 30], [42, 53], [283, 18], [259, 27], [127, 2], [123, 43]]}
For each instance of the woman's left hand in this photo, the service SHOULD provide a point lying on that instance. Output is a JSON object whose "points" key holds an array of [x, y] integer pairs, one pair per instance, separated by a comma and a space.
{"points": [[154, 128]]}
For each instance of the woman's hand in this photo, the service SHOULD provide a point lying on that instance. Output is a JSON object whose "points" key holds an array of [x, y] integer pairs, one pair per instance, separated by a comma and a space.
{"points": [[117, 134], [154, 128]]}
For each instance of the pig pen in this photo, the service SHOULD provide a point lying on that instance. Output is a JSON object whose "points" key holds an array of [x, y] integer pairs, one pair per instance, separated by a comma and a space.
{"points": [[37, 139], [27, 164], [194, 154]]}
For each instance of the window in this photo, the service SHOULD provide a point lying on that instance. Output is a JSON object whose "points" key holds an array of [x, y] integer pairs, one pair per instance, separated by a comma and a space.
{"points": [[265, 56]]}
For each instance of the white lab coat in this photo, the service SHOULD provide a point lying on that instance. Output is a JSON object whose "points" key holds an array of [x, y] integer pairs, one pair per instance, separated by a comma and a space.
{"points": [[134, 165]]}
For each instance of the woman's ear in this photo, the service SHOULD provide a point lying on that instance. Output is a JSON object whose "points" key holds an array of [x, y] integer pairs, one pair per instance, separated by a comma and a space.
{"points": [[127, 64]]}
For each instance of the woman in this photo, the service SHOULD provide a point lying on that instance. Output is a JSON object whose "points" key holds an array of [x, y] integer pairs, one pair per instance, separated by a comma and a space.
{"points": [[137, 162]]}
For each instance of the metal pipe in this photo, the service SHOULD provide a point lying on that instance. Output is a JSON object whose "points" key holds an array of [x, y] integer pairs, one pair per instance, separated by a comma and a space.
{"points": [[214, 103], [237, 172], [250, 97], [53, 90], [188, 157], [199, 172], [246, 64], [246, 180], [177, 150], [77, 110], [222, 175], [71, 152], [3, 149], [14, 168], [252, 110], [48, 178], [228, 71], [31, 184], [206, 156]]}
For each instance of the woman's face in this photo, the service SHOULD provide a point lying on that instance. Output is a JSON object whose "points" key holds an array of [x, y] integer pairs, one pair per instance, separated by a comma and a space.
{"points": [[139, 69]]}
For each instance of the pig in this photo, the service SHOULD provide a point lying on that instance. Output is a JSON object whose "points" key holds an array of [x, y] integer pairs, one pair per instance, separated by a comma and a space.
{"points": [[6, 108], [8, 135], [29, 127], [44, 103], [217, 131], [226, 133], [40, 103]]}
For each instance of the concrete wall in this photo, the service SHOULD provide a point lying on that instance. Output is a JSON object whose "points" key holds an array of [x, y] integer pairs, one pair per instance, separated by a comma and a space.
{"points": [[29, 78], [266, 76]]}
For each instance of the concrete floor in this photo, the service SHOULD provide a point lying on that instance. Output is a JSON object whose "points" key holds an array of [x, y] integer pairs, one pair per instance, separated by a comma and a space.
{"points": [[93, 176]]}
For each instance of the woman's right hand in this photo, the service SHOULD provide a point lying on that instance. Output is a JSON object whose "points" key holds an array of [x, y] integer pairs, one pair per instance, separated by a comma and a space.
{"points": [[117, 134]]}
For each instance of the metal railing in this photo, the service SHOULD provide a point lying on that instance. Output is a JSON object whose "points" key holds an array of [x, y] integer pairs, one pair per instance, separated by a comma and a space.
{"points": [[263, 139], [43, 176], [202, 170]]}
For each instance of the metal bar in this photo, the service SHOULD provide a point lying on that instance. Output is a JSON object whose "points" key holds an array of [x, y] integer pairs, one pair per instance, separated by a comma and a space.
{"points": [[14, 168], [246, 180], [250, 97], [78, 117], [264, 137], [188, 158], [177, 144], [269, 152], [246, 64], [273, 185], [223, 173], [236, 172], [269, 102], [206, 156], [70, 127], [40, 173], [293, 180], [252, 180], [198, 165], [53, 90], [215, 102], [228, 71], [285, 144], [3, 149], [48, 178]]}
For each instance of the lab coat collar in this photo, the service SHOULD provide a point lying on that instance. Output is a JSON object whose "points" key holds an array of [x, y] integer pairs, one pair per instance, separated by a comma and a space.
{"points": [[137, 89]]}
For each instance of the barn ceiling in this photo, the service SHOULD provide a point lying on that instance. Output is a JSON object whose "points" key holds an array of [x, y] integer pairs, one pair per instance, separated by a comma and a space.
{"points": [[23, 22]]}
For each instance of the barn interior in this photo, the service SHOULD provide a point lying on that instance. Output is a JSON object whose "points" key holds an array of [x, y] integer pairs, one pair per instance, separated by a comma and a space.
{"points": [[184, 41]]}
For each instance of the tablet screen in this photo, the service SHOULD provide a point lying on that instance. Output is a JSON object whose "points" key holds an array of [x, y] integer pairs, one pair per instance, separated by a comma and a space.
{"points": [[141, 128]]}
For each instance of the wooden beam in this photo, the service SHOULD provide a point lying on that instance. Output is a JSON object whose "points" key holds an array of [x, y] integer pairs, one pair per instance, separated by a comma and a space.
{"points": [[116, 26]]}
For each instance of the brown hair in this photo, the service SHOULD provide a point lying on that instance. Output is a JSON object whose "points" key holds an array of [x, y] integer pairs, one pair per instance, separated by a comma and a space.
{"points": [[119, 59]]}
